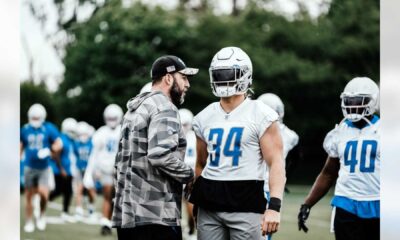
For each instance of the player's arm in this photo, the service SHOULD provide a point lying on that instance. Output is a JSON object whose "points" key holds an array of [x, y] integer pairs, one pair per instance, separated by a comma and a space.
{"points": [[91, 171], [321, 186], [272, 151], [163, 142], [21, 149], [324, 181], [202, 154], [56, 148]]}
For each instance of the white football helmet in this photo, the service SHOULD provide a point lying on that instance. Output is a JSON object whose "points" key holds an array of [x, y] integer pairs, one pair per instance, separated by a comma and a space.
{"points": [[92, 130], [112, 115], [36, 115], [274, 102], [69, 127], [146, 88], [186, 118], [360, 98], [230, 72], [84, 131]]}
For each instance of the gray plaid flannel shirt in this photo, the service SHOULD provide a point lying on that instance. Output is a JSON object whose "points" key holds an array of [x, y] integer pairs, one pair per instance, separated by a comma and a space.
{"points": [[149, 166]]}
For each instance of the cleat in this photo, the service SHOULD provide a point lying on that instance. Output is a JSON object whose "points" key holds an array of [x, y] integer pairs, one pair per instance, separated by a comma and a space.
{"points": [[41, 223], [29, 226]]}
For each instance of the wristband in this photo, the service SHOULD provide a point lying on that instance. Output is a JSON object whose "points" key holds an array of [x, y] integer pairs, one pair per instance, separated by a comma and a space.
{"points": [[274, 204]]}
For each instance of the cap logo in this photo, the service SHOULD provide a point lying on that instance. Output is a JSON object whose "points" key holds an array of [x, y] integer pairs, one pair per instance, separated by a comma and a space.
{"points": [[171, 68]]}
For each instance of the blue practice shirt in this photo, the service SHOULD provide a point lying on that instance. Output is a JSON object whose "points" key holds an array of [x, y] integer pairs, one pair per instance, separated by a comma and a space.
{"points": [[82, 151], [34, 139], [67, 154]]}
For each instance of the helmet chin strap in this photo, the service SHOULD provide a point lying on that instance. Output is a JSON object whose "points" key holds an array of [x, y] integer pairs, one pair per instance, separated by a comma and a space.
{"points": [[362, 118]]}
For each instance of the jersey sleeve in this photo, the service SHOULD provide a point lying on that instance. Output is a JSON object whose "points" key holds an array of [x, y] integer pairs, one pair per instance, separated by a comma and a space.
{"points": [[22, 136], [97, 139], [293, 138], [197, 127], [266, 117], [330, 144], [53, 132]]}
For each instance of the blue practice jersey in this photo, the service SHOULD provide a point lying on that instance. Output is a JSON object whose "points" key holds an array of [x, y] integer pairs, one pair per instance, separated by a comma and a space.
{"points": [[34, 139], [67, 156], [82, 152]]}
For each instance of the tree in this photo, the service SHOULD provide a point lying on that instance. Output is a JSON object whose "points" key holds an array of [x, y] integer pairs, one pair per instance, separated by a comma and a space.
{"points": [[307, 62], [30, 94]]}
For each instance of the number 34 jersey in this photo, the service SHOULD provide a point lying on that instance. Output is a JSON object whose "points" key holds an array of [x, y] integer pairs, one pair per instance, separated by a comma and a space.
{"points": [[233, 140], [359, 153]]}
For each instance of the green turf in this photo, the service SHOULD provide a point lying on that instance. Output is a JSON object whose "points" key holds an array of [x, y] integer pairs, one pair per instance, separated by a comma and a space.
{"points": [[67, 231], [318, 222]]}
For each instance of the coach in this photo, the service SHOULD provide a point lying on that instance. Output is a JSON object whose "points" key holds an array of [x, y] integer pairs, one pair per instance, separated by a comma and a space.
{"points": [[149, 167]]}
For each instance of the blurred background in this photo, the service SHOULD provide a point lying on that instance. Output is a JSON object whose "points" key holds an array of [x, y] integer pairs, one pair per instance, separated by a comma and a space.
{"points": [[78, 56]]}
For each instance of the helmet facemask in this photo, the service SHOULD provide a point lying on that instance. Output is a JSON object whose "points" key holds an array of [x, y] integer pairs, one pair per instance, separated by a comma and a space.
{"points": [[36, 115], [112, 121], [228, 81], [357, 107], [36, 122]]}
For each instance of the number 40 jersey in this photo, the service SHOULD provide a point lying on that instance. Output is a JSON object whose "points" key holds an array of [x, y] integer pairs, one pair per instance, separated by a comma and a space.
{"points": [[233, 140], [359, 154]]}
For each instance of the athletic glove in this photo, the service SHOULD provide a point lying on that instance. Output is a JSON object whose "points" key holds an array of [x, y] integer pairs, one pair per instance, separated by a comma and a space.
{"points": [[302, 217], [43, 153]]}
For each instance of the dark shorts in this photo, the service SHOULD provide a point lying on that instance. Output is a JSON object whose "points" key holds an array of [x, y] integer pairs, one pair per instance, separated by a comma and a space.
{"points": [[351, 227], [153, 232]]}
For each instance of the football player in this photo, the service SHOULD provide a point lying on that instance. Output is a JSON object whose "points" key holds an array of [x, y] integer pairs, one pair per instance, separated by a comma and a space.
{"points": [[289, 137], [63, 179], [83, 148], [353, 162], [235, 137], [190, 157], [102, 159], [39, 140]]}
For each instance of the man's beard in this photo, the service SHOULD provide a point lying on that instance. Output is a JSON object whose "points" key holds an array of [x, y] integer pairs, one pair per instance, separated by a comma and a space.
{"points": [[176, 94]]}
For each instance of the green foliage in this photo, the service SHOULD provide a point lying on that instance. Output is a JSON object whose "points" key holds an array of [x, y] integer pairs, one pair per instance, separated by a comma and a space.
{"points": [[307, 62], [30, 94]]}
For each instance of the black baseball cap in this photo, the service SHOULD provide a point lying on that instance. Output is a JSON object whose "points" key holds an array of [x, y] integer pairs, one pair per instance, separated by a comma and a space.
{"points": [[170, 64]]}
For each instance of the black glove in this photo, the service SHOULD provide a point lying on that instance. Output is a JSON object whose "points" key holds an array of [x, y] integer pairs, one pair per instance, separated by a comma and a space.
{"points": [[302, 217]]}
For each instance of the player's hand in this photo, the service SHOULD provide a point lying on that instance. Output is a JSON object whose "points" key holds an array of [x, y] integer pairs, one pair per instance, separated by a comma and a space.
{"points": [[271, 221], [302, 217], [63, 173], [188, 188], [43, 153]]}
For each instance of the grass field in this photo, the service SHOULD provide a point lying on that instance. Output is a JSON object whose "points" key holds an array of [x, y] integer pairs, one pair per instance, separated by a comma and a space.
{"points": [[318, 222]]}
